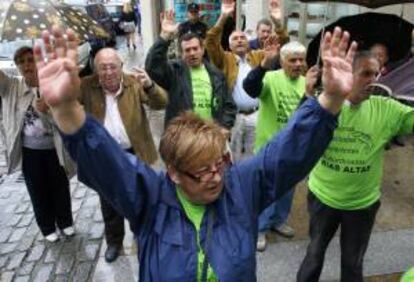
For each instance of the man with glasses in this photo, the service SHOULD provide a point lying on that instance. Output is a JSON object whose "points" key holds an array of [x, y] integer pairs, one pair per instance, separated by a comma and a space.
{"points": [[204, 230], [116, 99], [33, 144]]}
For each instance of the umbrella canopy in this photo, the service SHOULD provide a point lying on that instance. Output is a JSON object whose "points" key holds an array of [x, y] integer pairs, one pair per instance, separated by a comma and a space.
{"points": [[370, 28], [366, 3], [401, 81], [26, 19]]}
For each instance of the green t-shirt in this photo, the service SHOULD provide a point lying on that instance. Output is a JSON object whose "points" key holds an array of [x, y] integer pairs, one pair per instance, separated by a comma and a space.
{"points": [[348, 175], [408, 276], [195, 214], [279, 98], [202, 92]]}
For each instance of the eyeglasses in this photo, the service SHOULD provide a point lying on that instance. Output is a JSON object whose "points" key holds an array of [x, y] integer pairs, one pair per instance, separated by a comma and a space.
{"points": [[109, 67], [205, 175]]}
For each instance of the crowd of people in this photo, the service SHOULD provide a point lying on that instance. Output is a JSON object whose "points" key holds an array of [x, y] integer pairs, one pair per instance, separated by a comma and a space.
{"points": [[242, 127]]}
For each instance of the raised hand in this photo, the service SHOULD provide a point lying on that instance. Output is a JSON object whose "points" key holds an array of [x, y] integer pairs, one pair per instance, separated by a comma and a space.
{"points": [[337, 77], [228, 7], [275, 9], [311, 78], [142, 76], [58, 71], [271, 51], [59, 81], [168, 25]]}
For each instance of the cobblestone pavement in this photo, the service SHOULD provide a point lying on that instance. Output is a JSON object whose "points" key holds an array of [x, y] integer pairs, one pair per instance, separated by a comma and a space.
{"points": [[25, 255]]}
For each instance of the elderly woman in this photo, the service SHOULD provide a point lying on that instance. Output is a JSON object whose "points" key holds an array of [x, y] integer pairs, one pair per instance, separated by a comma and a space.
{"points": [[197, 222], [33, 144]]}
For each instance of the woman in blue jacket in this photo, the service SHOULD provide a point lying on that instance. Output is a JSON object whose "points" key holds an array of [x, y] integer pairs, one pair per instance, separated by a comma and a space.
{"points": [[197, 221]]}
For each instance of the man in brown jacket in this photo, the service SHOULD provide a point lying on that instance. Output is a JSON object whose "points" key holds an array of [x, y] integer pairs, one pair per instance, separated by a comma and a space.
{"points": [[236, 65], [116, 99]]}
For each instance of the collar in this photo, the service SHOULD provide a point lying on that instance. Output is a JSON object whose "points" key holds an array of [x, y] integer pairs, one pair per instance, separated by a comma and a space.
{"points": [[30, 90], [240, 59], [221, 205]]}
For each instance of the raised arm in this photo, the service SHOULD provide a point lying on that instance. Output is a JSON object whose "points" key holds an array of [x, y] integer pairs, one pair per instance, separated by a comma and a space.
{"points": [[127, 184], [276, 15], [156, 63], [253, 83], [213, 46], [155, 96], [293, 152]]}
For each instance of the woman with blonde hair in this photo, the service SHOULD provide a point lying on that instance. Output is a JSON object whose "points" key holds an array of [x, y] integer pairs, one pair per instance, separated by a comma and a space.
{"points": [[128, 24]]}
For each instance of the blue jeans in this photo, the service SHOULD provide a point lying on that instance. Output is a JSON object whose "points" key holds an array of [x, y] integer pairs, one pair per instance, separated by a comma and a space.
{"points": [[277, 213]]}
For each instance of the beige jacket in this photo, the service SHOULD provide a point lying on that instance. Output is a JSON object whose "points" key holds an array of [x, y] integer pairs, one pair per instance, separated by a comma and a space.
{"points": [[16, 98]]}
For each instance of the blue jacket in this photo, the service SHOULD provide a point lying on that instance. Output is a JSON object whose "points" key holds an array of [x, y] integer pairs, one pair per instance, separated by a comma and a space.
{"points": [[254, 44], [165, 236]]}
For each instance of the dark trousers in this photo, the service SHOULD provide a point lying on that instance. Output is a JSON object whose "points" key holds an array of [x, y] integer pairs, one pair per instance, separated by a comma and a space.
{"points": [[114, 224], [113, 221], [48, 187], [356, 228]]}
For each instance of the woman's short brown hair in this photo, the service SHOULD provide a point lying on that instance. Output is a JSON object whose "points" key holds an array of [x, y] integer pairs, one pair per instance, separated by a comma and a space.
{"points": [[190, 142]]}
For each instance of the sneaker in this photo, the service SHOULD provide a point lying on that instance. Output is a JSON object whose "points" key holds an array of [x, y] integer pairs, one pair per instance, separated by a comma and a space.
{"points": [[68, 231], [284, 230], [52, 237], [261, 242]]}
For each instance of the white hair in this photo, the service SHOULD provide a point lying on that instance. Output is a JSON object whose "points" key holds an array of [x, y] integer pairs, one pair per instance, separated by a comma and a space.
{"points": [[233, 32], [293, 47]]}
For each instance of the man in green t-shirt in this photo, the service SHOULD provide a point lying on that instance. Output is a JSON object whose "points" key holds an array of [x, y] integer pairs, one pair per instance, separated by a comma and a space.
{"points": [[279, 93], [193, 84], [345, 184]]}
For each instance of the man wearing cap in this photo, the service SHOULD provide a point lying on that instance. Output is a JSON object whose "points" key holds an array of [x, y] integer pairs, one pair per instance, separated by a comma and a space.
{"points": [[194, 23]]}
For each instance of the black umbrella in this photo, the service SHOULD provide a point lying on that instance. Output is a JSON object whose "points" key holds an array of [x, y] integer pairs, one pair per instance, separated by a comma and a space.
{"points": [[401, 81], [370, 28], [366, 3]]}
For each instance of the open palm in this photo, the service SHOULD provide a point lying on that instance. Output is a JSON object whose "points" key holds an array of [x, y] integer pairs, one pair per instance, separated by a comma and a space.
{"points": [[227, 7], [337, 77], [59, 81], [275, 9], [271, 47], [168, 24]]}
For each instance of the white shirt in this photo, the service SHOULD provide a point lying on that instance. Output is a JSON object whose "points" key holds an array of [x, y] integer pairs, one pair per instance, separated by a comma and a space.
{"points": [[243, 101], [113, 121]]}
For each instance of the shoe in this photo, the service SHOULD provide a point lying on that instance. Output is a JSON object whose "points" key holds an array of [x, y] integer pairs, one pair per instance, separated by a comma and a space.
{"points": [[261, 242], [284, 230], [111, 253], [68, 231], [135, 47], [52, 237]]}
